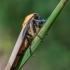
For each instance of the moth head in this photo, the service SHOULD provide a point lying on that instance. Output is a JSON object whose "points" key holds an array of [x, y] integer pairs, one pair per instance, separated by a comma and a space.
{"points": [[36, 16]]}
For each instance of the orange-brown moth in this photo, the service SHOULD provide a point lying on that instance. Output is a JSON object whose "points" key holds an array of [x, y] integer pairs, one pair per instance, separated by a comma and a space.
{"points": [[30, 28]]}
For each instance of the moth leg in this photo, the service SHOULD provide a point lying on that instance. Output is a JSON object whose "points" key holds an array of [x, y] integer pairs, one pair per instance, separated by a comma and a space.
{"points": [[29, 34], [32, 29], [40, 21], [40, 37], [29, 44]]}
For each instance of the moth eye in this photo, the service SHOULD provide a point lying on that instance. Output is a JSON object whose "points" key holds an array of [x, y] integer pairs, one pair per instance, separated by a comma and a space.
{"points": [[36, 16]]}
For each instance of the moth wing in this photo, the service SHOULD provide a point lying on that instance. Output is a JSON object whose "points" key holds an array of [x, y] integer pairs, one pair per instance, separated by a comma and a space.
{"points": [[19, 42], [17, 47]]}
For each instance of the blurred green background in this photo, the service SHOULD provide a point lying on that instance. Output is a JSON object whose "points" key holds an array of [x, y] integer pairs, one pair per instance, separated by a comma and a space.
{"points": [[54, 52]]}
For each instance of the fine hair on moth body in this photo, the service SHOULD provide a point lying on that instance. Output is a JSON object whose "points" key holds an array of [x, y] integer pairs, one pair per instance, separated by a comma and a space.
{"points": [[30, 28]]}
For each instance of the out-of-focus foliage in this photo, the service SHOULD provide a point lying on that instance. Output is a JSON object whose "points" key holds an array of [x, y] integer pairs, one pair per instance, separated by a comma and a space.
{"points": [[54, 52]]}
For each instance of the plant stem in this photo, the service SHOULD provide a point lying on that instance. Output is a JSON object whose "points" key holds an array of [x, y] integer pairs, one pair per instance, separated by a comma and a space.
{"points": [[44, 30]]}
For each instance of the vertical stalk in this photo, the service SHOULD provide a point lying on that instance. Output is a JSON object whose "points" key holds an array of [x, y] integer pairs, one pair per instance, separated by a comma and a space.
{"points": [[42, 32]]}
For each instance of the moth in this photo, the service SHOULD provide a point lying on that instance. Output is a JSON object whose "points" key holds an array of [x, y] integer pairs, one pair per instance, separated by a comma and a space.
{"points": [[30, 28]]}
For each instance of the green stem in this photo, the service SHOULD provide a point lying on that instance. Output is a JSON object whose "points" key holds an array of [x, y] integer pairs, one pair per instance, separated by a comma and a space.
{"points": [[44, 30]]}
